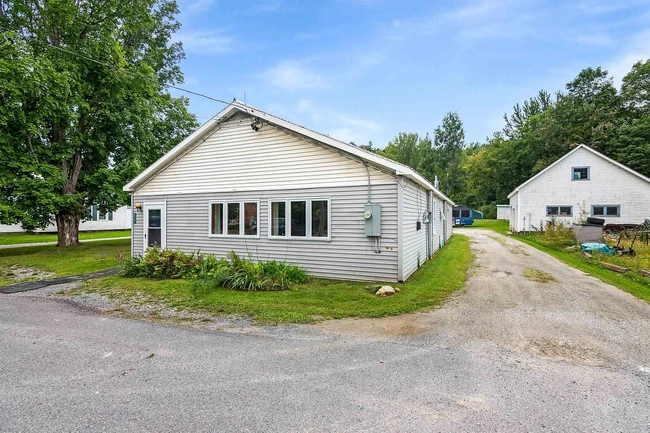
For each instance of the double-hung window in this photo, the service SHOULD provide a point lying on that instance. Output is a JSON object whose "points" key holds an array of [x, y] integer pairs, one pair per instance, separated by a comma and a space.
{"points": [[608, 210], [559, 211], [234, 219], [300, 219]]}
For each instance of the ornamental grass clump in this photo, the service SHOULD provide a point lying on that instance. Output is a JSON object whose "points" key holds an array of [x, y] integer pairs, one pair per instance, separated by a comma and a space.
{"points": [[236, 273]]}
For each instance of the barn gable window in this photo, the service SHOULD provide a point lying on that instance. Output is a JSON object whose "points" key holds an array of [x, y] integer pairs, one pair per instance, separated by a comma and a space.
{"points": [[580, 173], [559, 211]]}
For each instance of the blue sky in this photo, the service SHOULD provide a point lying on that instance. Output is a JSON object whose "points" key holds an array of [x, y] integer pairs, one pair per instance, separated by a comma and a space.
{"points": [[362, 70]]}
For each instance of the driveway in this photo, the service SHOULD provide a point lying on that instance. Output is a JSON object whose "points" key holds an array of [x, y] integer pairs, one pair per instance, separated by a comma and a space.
{"points": [[506, 354]]}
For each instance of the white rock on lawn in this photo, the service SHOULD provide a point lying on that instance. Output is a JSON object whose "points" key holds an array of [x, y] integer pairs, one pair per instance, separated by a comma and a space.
{"points": [[385, 291]]}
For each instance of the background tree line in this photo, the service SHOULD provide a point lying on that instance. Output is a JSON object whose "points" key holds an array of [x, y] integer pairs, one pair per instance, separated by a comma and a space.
{"points": [[591, 111]]}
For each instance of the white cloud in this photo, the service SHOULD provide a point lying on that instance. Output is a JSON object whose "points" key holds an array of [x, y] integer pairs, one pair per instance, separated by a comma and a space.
{"points": [[205, 42], [199, 5], [292, 75], [637, 49]]}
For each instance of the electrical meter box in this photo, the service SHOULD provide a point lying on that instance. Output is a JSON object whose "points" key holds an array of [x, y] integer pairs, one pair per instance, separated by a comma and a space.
{"points": [[372, 215]]}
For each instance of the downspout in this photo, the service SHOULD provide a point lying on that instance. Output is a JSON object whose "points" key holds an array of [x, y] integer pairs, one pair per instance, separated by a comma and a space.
{"points": [[400, 231]]}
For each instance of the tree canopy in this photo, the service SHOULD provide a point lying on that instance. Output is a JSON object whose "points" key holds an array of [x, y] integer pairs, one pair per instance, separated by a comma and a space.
{"points": [[72, 130]]}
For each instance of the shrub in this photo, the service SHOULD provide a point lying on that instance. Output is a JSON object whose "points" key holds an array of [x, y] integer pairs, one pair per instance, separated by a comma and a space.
{"points": [[236, 273], [558, 234]]}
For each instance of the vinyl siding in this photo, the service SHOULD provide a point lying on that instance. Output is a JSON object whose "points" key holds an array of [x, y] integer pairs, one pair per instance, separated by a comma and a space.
{"points": [[414, 250], [347, 256], [236, 158], [608, 185]]}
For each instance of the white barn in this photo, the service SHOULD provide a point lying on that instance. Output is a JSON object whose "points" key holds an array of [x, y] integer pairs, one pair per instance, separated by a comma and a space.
{"points": [[251, 182], [582, 183]]}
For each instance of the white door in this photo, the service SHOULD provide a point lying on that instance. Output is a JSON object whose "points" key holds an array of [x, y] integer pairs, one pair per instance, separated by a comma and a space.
{"points": [[155, 222]]}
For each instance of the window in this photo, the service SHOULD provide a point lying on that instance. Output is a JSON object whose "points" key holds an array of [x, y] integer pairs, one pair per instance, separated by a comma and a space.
{"points": [[580, 173], [216, 219], [610, 210], [464, 213], [97, 215], [250, 219], [319, 219], [278, 218], [309, 219], [455, 213], [559, 211], [234, 219]]}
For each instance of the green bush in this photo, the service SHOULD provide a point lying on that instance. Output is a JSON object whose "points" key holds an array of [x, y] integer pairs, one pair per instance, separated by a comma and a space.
{"points": [[236, 273]]}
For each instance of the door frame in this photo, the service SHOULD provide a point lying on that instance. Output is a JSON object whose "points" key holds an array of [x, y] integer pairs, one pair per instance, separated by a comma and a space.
{"points": [[163, 223]]}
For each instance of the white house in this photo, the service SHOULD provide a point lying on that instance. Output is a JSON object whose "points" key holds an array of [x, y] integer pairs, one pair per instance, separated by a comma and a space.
{"points": [[251, 182], [582, 183], [119, 220], [503, 212]]}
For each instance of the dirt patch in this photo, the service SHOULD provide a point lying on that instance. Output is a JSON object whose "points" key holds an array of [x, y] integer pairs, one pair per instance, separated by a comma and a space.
{"points": [[385, 328], [24, 273], [564, 350], [538, 276]]}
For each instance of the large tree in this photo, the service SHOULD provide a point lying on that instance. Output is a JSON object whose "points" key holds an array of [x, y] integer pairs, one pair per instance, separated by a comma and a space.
{"points": [[449, 141], [72, 130]]}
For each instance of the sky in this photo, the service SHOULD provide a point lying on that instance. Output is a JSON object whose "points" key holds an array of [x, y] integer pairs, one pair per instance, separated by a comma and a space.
{"points": [[361, 70]]}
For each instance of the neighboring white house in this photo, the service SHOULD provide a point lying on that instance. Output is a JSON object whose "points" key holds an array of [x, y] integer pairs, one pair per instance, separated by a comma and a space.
{"points": [[503, 212], [580, 184], [262, 186], [121, 219]]}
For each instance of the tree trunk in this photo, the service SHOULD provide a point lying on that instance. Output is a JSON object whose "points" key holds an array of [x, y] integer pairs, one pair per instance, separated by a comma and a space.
{"points": [[67, 226]]}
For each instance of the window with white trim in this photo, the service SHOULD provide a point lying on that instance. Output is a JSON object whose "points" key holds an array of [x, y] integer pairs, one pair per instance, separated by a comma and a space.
{"points": [[607, 210], [307, 218], [559, 211], [233, 219]]}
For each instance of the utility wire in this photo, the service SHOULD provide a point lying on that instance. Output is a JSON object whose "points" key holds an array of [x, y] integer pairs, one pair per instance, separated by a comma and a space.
{"points": [[137, 74]]}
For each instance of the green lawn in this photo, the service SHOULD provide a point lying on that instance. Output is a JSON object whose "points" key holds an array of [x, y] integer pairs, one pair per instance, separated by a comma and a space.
{"points": [[317, 300], [93, 256], [499, 226], [29, 238], [631, 282]]}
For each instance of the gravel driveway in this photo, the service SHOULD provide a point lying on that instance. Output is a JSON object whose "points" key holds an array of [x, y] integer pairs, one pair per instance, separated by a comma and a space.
{"points": [[506, 354]]}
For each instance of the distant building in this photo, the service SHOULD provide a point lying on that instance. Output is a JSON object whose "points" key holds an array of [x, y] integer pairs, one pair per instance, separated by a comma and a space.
{"points": [[503, 212], [582, 183], [119, 220]]}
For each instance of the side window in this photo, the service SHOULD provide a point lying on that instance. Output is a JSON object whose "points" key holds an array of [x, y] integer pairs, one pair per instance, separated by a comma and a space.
{"points": [[610, 210], [455, 213], [233, 219], [580, 173], [465, 213], [300, 219], [562, 211]]}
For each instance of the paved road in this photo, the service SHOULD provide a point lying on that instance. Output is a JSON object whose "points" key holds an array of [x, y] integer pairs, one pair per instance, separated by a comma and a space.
{"points": [[40, 244], [505, 355]]}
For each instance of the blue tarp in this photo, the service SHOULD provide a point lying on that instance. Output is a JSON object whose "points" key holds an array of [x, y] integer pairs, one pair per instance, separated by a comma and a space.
{"points": [[595, 247]]}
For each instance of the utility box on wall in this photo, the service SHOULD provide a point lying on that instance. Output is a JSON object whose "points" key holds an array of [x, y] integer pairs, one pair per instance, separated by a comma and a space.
{"points": [[372, 215]]}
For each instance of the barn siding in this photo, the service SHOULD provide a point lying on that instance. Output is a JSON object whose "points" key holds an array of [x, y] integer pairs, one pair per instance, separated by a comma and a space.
{"points": [[236, 158], [414, 248], [608, 185], [348, 255]]}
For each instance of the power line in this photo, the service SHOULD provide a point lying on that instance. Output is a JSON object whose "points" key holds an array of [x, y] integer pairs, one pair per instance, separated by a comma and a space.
{"points": [[90, 59]]}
